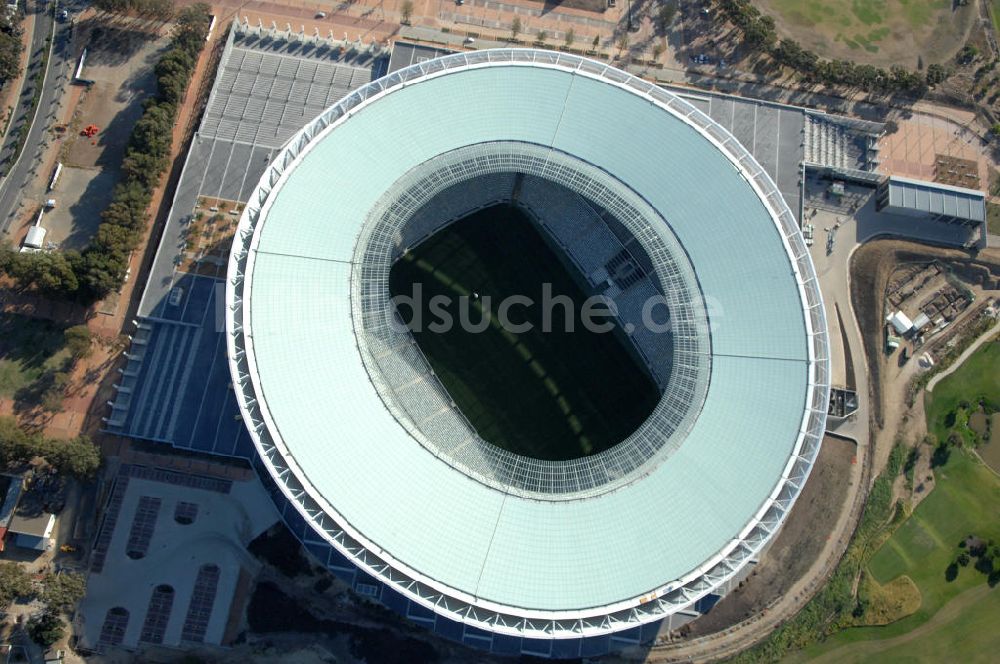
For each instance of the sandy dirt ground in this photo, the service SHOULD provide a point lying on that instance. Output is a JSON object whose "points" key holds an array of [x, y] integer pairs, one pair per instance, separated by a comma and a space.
{"points": [[871, 269], [380, 19], [796, 546], [912, 150]]}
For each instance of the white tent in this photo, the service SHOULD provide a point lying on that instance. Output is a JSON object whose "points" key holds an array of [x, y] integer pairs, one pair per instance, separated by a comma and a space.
{"points": [[35, 237], [900, 322]]}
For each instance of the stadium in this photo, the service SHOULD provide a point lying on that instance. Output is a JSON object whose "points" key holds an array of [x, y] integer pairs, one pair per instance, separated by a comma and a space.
{"points": [[373, 452]]}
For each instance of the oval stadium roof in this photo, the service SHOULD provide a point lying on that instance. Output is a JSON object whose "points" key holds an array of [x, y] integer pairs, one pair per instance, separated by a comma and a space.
{"points": [[503, 561]]}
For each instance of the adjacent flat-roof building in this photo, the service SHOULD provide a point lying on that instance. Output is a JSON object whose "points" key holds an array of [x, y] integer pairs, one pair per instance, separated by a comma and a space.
{"points": [[10, 492], [32, 531], [931, 200]]}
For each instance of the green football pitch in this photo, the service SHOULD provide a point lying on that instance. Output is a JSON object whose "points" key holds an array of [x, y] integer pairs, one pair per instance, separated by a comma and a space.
{"points": [[547, 393]]}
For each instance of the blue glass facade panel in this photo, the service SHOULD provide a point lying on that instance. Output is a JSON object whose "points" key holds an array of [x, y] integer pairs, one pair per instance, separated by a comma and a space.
{"points": [[371, 588], [449, 629], [417, 612], [629, 636], [705, 604], [566, 648], [506, 645], [536, 647], [595, 645], [320, 551], [395, 601]]}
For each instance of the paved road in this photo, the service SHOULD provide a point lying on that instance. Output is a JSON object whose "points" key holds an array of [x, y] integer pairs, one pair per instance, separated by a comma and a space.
{"points": [[41, 27], [22, 171]]}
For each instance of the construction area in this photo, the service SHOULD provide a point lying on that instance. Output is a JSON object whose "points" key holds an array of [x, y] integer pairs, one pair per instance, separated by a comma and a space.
{"points": [[925, 305]]}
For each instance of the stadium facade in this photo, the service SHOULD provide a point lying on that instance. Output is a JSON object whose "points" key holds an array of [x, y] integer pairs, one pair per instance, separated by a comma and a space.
{"points": [[369, 462]]}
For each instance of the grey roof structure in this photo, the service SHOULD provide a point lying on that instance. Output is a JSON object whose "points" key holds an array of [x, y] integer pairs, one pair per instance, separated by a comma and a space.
{"points": [[368, 478], [10, 491], [35, 525], [174, 387], [936, 199]]}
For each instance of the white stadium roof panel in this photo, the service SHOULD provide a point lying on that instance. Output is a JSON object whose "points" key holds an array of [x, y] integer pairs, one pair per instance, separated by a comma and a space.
{"points": [[311, 403]]}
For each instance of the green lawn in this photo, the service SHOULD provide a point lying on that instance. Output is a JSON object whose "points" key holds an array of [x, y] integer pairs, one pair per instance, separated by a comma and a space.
{"points": [[978, 378], [872, 26], [965, 501], [28, 348], [993, 210], [859, 14], [963, 631], [550, 395]]}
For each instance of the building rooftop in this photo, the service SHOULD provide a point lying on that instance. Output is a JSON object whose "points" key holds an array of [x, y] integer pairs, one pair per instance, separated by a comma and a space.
{"points": [[936, 198], [674, 529], [34, 525]]}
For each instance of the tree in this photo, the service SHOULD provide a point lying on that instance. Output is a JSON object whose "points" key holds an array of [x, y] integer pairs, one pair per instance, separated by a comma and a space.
{"points": [[622, 42], [596, 42], [967, 54], [515, 28], [940, 455], [936, 74], [15, 584], [16, 445], [668, 10], [658, 50], [78, 340], [570, 38], [191, 27], [405, 12], [55, 384], [112, 6], [45, 628], [10, 48], [161, 9], [542, 36], [61, 592], [49, 272], [77, 457]]}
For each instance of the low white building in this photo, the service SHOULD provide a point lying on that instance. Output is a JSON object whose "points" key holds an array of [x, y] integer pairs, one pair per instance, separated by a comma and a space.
{"points": [[900, 322]]}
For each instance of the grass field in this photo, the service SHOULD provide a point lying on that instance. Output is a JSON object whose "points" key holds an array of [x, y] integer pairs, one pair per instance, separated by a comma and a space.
{"points": [[878, 31], [956, 618], [977, 379], [993, 211], [28, 348], [550, 395]]}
